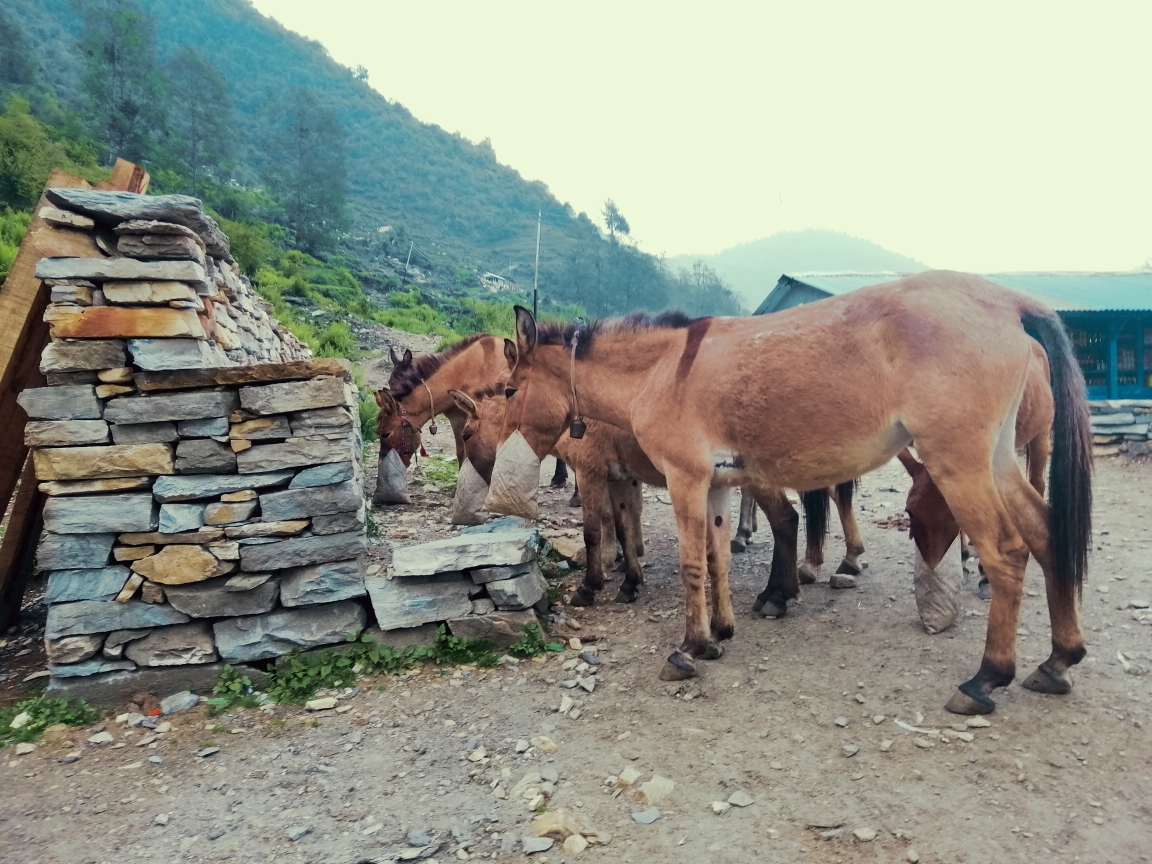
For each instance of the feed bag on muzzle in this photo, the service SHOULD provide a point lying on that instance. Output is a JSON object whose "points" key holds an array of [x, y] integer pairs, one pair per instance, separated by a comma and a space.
{"points": [[938, 588], [391, 480], [471, 490], [515, 479]]}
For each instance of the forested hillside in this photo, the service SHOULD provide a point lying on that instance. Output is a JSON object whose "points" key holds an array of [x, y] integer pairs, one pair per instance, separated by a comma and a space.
{"points": [[752, 268], [278, 93]]}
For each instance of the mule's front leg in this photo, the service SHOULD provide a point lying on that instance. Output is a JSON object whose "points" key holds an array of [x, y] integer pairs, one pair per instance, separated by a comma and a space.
{"points": [[719, 561], [783, 582], [457, 420], [595, 504], [690, 504]]}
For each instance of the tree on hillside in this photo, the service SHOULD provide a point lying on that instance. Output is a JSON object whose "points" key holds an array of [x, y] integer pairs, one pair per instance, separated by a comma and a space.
{"points": [[307, 168], [700, 291], [27, 155], [203, 140], [18, 68], [614, 220], [122, 83]]}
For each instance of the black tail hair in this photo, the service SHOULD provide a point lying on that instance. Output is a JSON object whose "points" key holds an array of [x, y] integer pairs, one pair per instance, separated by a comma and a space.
{"points": [[816, 508], [1070, 474]]}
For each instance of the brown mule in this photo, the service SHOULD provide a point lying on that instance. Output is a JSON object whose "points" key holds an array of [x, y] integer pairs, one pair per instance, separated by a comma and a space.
{"points": [[826, 392], [609, 466]]}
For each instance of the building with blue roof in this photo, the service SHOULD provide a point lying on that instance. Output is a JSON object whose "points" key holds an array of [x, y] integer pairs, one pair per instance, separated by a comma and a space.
{"points": [[1108, 316]]}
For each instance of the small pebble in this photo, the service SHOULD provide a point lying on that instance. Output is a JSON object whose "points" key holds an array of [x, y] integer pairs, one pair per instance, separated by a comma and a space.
{"points": [[296, 832], [850, 750], [646, 817], [865, 835], [841, 722], [720, 807]]}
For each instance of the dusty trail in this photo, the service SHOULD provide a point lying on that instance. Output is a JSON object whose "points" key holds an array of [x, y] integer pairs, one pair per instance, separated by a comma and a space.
{"points": [[1060, 779]]}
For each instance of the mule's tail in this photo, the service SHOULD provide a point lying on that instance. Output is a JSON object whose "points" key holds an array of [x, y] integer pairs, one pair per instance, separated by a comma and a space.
{"points": [[816, 510], [1070, 474]]}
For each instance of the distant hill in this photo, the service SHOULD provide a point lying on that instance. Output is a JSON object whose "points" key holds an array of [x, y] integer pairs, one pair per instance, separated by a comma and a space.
{"points": [[752, 268]]}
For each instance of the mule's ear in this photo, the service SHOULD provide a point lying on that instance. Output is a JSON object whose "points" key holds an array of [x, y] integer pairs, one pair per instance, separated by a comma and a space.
{"points": [[379, 399], [385, 401], [464, 403], [525, 329], [407, 360], [510, 354], [392, 356]]}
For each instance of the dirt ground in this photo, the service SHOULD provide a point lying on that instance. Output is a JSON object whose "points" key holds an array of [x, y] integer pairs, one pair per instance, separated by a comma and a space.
{"points": [[1052, 779]]}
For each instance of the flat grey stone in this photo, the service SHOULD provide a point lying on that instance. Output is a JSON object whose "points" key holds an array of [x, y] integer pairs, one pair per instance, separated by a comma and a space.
{"points": [[496, 526], [73, 551], [73, 649], [65, 586], [175, 518], [498, 629], [75, 402], [117, 639], [144, 433], [302, 503], [204, 456], [320, 421], [519, 592], [296, 453], [419, 600], [481, 575], [466, 551], [194, 405], [403, 637], [323, 475], [322, 583], [230, 512], [287, 396], [646, 817], [1123, 418], [124, 270], [159, 355], [337, 522], [302, 551], [483, 606], [113, 689], [533, 844], [215, 599], [246, 581], [96, 514], [152, 247], [103, 616], [197, 486], [262, 429], [83, 355], [262, 636], [178, 645], [113, 208], [177, 702], [208, 427], [89, 667], [65, 433]]}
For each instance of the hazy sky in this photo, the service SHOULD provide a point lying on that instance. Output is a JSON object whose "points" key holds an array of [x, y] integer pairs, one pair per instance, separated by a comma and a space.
{"points": [[998, 136]]}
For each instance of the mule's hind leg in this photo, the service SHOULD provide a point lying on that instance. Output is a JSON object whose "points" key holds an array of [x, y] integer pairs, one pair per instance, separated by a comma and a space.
{"points": [[627, 503], [783, 584], [719, 560], [853, 544], [1030, 514], [743, 537], [596, 514]]}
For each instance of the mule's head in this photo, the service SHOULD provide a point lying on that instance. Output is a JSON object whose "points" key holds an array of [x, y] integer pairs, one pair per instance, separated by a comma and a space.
{"points": [[538, 392], [394, 429], [485, 420]]}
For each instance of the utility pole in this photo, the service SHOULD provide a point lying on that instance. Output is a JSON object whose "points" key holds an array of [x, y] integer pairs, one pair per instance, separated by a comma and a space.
{"points": [[536, 276], [409, 261]]}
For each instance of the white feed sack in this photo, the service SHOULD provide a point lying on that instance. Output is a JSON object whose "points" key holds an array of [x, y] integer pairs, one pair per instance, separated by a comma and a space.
{"points": [[938, 589], [471, 490], [515, 479], [391, 481]]}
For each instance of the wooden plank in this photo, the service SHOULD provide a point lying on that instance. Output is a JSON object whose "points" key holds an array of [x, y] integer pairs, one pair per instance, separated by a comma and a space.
{"points": [[18, 549]]}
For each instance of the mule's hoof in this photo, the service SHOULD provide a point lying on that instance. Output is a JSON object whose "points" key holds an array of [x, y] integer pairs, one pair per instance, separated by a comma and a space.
{"points": [[582, 597], [738, 546], [1049, 681], [842, 580], [848, 567], [962, 703], [806, 573], [708, 651], [723, 631], [626, 596], [758, 605], [771, 608], [678, 667], [574, 501], [559, 482], [984, 590]]}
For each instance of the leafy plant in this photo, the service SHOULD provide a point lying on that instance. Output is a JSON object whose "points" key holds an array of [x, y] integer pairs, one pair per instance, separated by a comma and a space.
{"points": [[232, 689], [442, 470], [43, 712], [371, 526], [531, 643]]}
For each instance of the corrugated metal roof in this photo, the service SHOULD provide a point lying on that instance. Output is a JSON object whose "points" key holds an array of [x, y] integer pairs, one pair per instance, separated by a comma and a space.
{"points": [[1064, 292]]}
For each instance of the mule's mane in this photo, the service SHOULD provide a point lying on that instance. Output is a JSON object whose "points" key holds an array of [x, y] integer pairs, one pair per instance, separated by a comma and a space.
{"points": [[489, 391], [423, 367], [556, 333]]}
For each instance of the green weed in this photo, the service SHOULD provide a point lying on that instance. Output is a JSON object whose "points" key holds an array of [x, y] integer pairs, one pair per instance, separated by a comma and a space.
{"points": [[532, 644], [442, 470], [43, 712], [233, 689]]}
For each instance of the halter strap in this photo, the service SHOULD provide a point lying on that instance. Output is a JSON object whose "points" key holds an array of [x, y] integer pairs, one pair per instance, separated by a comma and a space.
{"points": [[431, 401], [524, 400], [575, 400]]}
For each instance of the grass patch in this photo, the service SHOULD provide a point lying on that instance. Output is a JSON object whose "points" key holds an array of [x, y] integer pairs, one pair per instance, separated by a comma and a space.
{"points": [[40, 712], [443, 471], [531, 643], [233, 689]]}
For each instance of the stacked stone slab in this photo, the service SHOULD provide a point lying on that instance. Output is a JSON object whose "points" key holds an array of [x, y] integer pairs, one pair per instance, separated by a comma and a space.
{"points": [[1122, 426], [195, 516], [484, 582], [168, 292]]}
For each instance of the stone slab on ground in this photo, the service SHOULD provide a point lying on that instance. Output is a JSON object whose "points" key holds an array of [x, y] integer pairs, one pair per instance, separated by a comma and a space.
{"points": [[103, 616], [419, 599], [65, 433], [178, 645], [262, 636], [65, 586], [198, 486], [214, 599], [112, 460], [466, 551], [198, 405], [322, 583], [97, 514], [284, 397], [80, 356], [114, 689], [302, 551], [311, 501], [498, 629], [73, 551], [68, 402]]}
